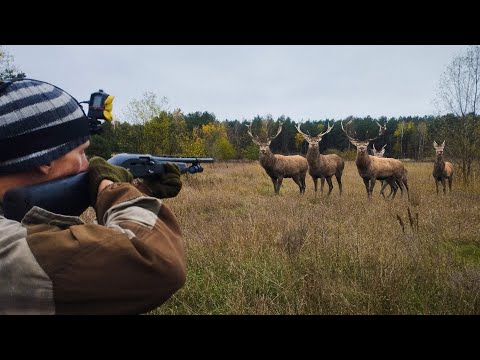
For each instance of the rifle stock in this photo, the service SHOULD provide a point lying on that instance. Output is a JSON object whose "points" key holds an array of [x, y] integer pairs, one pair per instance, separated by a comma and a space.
{"points": [[68, 195]]}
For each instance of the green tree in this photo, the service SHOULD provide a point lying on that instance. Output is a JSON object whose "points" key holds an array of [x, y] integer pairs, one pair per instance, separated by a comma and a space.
{"points": [[217, 144], [251, 152], [193, 145], [129, 137], [197, 119], [99, 146]]}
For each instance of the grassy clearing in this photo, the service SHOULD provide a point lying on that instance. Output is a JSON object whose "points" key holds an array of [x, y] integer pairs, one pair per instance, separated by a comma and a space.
{"points": [[250, 251]]}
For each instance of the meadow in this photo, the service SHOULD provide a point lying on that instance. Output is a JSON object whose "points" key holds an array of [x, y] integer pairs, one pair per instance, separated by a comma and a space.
{"points": [[250, 251]]}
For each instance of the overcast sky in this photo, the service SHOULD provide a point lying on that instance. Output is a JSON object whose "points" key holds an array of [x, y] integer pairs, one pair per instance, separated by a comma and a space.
{"points": [[239, 82]]}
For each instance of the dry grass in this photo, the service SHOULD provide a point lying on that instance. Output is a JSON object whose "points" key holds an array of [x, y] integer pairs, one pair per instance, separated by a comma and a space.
{"points": [[250, 251]]}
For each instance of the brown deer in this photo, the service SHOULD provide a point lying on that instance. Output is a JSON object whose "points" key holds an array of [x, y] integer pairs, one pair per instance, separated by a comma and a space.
{"points": [[393, 186], [370, 168], [322, 166], [442, 169], [279, 166]]}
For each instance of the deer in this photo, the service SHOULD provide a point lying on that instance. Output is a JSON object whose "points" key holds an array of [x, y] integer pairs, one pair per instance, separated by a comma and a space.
{"points": [[322, 166], [370, 168], [393, 186], [442, 169], [279, 166]]}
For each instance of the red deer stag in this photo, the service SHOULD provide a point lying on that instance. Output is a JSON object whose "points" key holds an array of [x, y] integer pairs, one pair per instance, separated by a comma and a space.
{"points": [[371, 168], [322, 166], [442, 169], [279, 166]]}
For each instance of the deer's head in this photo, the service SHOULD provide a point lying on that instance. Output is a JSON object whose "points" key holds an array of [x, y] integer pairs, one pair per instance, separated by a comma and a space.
{"points": [[263, 145], [362, 145], [378, 153], [314, 141], [439, 148]]}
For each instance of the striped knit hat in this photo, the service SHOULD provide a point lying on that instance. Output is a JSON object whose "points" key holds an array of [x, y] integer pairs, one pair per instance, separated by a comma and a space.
{"points": [[39, 123]]}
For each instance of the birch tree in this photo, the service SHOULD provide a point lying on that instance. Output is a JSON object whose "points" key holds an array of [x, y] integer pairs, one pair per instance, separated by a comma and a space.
{"points": [[459, 98]]}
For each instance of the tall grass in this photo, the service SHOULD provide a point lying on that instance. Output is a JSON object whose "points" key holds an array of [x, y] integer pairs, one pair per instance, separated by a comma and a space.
{"points": [[250, 251]]}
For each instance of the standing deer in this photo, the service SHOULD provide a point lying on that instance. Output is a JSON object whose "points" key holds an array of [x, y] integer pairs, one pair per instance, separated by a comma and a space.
{"points": [[393, 186], [279, 166], [322, 166], [442, 169], [371, 168]]}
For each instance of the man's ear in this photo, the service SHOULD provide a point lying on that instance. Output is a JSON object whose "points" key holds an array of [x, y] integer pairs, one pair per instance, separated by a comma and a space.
{"points": [[44, 169]]}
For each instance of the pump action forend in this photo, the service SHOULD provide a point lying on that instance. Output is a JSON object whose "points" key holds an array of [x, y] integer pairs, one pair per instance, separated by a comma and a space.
{"points": [[67, 196]]}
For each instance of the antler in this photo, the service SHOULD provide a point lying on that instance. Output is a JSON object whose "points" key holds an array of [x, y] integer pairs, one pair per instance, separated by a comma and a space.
{"points": [[319, 136], [383, 147], [381, 131], [269, 139], [351, 139], [301, 132], [254, 138], [329, 128]]}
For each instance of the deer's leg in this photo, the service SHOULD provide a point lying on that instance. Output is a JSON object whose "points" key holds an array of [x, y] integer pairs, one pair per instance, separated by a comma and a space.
{"points": [[298, 182], [330, 185], [274, 181], [398, 184], [372, 185], [366, 181], [450, 179], [279, 183], [304, 184], [405, 183], [339, 181], [444, 184], [382, 189], [315, 183], [385, 183], [393, 188], [322, 182], [436, 184]]}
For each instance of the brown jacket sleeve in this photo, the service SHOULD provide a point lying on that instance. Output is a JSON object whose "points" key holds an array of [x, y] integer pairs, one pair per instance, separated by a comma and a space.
{"points": [[130, 263]]}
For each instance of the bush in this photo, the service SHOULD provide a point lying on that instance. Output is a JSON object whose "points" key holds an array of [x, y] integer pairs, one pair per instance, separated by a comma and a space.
{"points": [[251, 152]]}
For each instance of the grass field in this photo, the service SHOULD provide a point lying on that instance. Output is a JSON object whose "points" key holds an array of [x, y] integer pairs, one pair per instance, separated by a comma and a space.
{"points": [[250, 251]]}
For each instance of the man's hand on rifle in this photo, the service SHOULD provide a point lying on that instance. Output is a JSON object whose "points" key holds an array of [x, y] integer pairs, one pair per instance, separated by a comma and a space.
{"points": [[162, 186], [99, 170]]}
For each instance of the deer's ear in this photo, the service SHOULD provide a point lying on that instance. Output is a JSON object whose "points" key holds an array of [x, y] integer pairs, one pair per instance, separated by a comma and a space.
{"points": [[435, 143], [443, 144]]}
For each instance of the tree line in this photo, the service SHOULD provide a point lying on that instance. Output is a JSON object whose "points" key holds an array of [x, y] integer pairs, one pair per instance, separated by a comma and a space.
{"points": [[201, 134]]}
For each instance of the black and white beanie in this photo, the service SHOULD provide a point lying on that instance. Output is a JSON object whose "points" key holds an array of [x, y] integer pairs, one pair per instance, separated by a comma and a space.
{"points": [[39, 123]]}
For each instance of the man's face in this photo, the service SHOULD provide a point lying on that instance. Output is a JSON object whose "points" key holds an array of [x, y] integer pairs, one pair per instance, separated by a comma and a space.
{"points": [[71, 163]]}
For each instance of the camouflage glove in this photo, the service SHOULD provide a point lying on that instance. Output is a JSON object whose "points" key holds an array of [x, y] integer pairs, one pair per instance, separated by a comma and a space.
{"points": [[99, 170], [162, 186]]}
